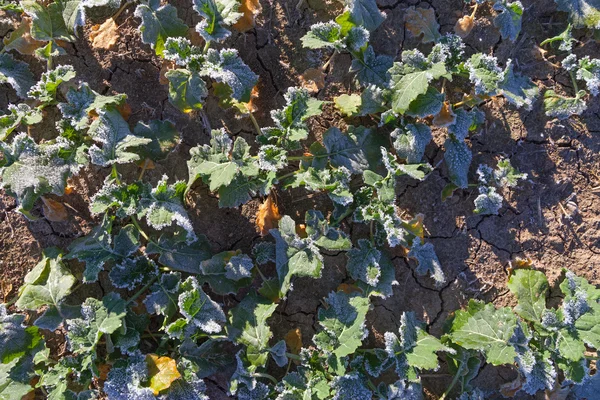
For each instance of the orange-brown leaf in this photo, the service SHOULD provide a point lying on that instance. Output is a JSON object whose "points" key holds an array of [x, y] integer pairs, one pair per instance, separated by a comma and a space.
{"points": [[250, 9], [20, 39], [146, 163], [125, 111], [164, 68], [313, 79], [422, 21], [253, 96], [445, 117], [105, 35], [293, 339], [415, 226], [69, 189], [163, 371], [348, 288], [54, 211], [104, 369], [301, 231], [464, 26], [267, 216]]}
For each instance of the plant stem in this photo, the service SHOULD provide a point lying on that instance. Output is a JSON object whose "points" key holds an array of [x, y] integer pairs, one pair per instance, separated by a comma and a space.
{"points": [[141, 175], [141, 291], [292, 356], [474, 10], [452, 384], [139, 228], [123, 7], [254, 122], [324, 67], [267, 376], [575, 87], [206, 47]]}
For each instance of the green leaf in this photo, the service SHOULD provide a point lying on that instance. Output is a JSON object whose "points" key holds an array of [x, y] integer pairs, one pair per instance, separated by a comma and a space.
{"points": [[488, 202], [509, 19], [46, 285], [485, 74], [227, 272], [31, 170], [163, 296], [562, 107], [348, 104], [365, 13], [589, 71], [45, 90], [217, 15], [518, 89], [55, 21], [343, 323], [165, 137], [458, 158], [83, 101], [530, 288], [242, 189], [178, 255], [411, 79], [227, 67], [348, 150], [427, 260], [158, 24], [248, 327], [410, 142], [372, 69], [363, 263], [583, 13], [323, 35], [111, 130], [487, 329], [187, 90], [16, 340], [16, 74], [11, 387], [17, 115], [426, 104], [129, 273]]}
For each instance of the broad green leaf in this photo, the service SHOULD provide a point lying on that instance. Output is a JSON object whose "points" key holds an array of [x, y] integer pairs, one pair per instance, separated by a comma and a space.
{"points": [[227, 272], [458, 158], [178, 255], [350, 386], [242, 190], [509, 19], [17, 115], [406, 87], [16, 73], [530, 288], [218, 14], [55, 21], [488, 202], [518, 89], [11, 387], [487, 329], [112, 131], [165, 137], [323, 35], [83, 101], [128, 377], [131, 272], [562, 107], [227, 67], [426, 104], [45, 90], [158, 24], [187, 90], [46, 285], [410, 142], [163, 296], [348, 104], [364, 13], [372, 69], [485, 74], [363, 263], [589, 71], [427, 260], [569, 345], [583, 13], [248, 327], [16, 340], [350, 149]]}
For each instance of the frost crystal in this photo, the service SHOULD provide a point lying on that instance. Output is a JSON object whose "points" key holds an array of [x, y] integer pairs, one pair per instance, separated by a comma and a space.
{"points": [[131, 272], [350, 387], [199, 309], [428, 261], [272, 158], [570, 62], [239, 267], [488, 202], [589, 71]]}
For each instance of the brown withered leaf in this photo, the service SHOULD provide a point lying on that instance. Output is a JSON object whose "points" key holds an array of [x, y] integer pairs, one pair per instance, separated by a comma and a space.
{"points": [[54, 211], [20, 39], [313, 79], [104, 369], [250, 9], [510, 389], [422, 21], [349, 289], [293, 339], [164, 68], [253, 96], [163, 372], [267, 216], [464, 26], [69, 189], [145, 163], [105, 35], [125, 111], [445, 117]]}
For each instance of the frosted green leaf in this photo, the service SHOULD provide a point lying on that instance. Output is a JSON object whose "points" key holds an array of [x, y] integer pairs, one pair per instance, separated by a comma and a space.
{"points": [[372, 100], [530, 288], [348, 104], [218, 14], [278, 353], [506, 175], [29, 170], [401, 390], [365, 13], [55, 21], [17, 115], [427, 261], [409, 79], [210, 357], [112, 131], [187, 90], [414, 349], [16, 73], [357, 38], [99, 317], [562, 107], [16, 340], [518, 89], [589, 71], [227, 272], [127, 378], [349, 387], [82, 101], [363, 262], [242, 190], [335, 181], [165, 137], [583, 13], [323, 35], [158, 24], [487, 329], [488, 202], [131, 272], [199, 310], [11, 387], [177, 254], [348, 150], [272, 158], [372, 69], [319, 231], [227, 67], [458, 158], [485, 74], [426, 104], [410, 143], [465, 122], [163, 296], [343, 323], [45, 90], [509, 19], [46, 285], [385, 282], [248, 326], [98, 247], [565, 39], [264, 252]]}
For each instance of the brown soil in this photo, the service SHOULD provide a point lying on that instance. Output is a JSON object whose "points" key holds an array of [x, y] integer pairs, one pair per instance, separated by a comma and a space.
{"points": [[553, 218]]}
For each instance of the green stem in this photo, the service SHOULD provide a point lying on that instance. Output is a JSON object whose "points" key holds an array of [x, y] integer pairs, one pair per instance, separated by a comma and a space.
{"points": [[141, 291], [115, 174], [206, 47], [452, 384], [292, 356], [255, 123], [372, 386], [575, 87], [139, 228], [324, 68], [143, 169], [267, 376]]}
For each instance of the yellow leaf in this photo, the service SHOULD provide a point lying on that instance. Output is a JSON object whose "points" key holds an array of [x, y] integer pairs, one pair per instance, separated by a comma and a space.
{"points": [[20, 39], [293, 339], [446, 116], [313, 79], [267, 216], [105, 36], [415, 226], [464, 26], [54, 211], [163, 371], [250, 9]]}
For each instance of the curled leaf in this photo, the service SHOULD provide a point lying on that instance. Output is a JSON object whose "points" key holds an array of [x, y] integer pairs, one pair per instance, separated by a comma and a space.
{"points": [[445, 117], [20, 39], [162, 371], [249, 9], [54, 211], [464, 26], [422, 21], [313, 79], [267, 216], [105, 36], [293, 339]]}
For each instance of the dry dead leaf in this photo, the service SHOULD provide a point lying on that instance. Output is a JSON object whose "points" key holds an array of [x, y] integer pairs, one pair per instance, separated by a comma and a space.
{"points": [[105, 36], [422, 21], [250, 9], [509, 389], [69, 189], [349, 289], [163, 371], [313, 79], [20, 39], [253, 96], [104, 369], [464, 26], [164, 68], [267, 216], [293, 339], [125, 111], [54, 211], [445, 117], [5, 288], [145, 163], [301, 231]]}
